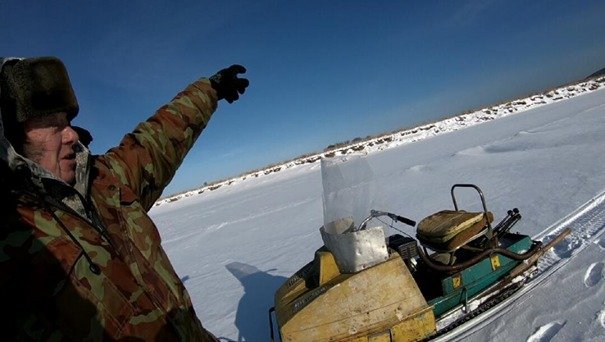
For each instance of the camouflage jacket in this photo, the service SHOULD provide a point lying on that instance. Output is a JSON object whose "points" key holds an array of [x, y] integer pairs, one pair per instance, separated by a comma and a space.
{"points": [[85, 262]]}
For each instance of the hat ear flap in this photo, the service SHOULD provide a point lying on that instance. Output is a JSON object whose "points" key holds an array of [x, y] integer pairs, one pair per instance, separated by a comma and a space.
{"points": [[11, 128]]}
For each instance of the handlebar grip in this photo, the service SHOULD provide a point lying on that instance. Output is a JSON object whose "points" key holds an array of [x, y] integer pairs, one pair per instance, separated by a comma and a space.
{"points": [[402, 219]]}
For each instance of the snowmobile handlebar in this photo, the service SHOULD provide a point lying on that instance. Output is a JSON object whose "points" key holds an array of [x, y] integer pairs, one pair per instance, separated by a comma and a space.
{"points": [[402, 219], [377, 213]]}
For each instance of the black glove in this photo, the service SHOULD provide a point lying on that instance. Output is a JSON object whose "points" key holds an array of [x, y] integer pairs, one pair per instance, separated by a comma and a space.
{"points": [[227, 85]]}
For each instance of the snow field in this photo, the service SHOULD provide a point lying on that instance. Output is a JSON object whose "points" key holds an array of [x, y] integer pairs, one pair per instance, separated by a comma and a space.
{"points": [[235, 245]]}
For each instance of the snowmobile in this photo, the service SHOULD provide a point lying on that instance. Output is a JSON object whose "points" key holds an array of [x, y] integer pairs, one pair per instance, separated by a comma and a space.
{"points": [[363, 286]]}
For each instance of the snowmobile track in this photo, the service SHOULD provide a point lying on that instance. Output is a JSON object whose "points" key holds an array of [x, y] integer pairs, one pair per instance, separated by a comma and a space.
{"points": [[587, 224]]}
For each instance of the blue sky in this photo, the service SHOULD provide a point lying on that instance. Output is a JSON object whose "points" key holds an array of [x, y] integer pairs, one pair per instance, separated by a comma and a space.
{"points": [[320, 72]]}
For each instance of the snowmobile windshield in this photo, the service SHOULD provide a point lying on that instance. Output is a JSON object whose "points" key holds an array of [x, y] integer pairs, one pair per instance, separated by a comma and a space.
{"points": [[348, 188]]}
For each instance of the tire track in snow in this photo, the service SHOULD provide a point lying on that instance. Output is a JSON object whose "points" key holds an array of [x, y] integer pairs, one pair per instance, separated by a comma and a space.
{"points": [[587, 224], [601, 243]]}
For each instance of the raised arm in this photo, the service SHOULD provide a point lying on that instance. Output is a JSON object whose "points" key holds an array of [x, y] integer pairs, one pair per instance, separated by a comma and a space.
{"points": [[147, 159]]}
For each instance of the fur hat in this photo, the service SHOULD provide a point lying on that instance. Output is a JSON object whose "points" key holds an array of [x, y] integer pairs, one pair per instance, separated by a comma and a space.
{"points": [[35, 87]]}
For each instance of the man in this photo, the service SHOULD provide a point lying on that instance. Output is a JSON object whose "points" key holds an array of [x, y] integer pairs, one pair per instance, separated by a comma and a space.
{"points": [[80, 259]]}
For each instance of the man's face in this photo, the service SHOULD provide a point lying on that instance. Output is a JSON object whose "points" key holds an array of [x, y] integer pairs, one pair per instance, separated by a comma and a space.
{"points": [[49, 142]]}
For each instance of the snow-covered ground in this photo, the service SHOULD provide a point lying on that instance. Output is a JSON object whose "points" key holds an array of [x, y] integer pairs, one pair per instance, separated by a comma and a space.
{"points": [[235, 245]]}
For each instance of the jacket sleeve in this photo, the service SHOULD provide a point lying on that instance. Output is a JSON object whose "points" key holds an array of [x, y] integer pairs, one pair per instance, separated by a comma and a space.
{"points": [[147, 159]]}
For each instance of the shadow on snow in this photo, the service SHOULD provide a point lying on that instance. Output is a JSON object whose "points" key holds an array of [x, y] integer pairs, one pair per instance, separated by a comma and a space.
{"points": [[252, 318]]}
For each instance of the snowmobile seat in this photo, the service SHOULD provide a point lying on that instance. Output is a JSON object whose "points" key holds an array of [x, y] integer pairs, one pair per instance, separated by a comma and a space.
{"points": [[448, 230]]}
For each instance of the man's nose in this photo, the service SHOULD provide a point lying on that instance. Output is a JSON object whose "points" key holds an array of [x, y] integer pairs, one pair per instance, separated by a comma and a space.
{"points": [[70, 136]]}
